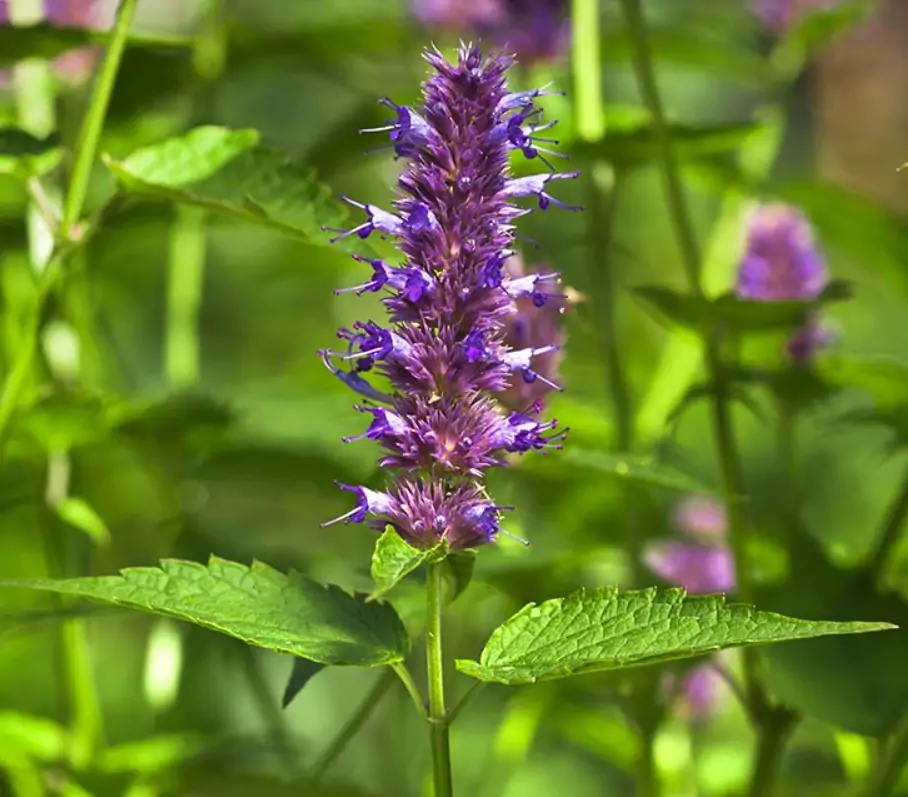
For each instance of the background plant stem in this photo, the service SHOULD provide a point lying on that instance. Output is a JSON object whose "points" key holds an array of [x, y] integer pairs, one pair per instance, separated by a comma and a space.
{"points": [[353, 725], [892, 529], [770, 721], [892, 763], [438, 719]]}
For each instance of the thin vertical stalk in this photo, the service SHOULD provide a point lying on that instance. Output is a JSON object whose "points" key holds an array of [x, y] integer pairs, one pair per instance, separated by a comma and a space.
{"points": [[776, 731], [185, 275], [729, 461], [438, 719], [74, 202], [892, 529], [353, 725], [892, 763]]}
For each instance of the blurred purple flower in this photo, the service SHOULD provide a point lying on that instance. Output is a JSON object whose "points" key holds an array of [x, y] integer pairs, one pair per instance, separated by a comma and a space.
{"points": [[779, 15], [781, 261], [700, 569], [700, 692], [702, 517], [536, 322], [534, 30], [444, 350]]}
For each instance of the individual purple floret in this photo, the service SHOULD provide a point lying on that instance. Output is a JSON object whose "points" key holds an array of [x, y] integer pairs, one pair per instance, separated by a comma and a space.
{"points": [[781, 261], [534, 30], [435, 371], [540, 304]]}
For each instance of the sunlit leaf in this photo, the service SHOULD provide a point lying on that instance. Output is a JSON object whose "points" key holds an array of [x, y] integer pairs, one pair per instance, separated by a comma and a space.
{"points": [[227, 171], [596, 630], [36, 737], [287, 613], [393, 559]]}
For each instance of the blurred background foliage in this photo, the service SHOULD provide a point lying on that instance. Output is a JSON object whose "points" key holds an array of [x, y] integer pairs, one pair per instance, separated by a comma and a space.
{"points": [[196, 417]]}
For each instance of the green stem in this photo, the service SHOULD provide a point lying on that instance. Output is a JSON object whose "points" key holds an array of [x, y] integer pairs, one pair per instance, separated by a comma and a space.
{"points": [[185, 274], [267, 705], [93, 123], [777, 729], [86, 153], [465, 698], [438, 718], [730, 466], [410, 685], [353, 725], [892, 529], [892, 764]]}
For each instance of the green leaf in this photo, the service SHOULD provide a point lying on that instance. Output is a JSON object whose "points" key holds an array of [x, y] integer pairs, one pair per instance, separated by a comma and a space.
{"points": [[301, 673], [597, 630], [393, 558], [79, 514], [36, 737], [731, 314], [634, 468], [859, 684], [48, 41], [227, 171], [631, 140], [258, 605], [23, 155]]}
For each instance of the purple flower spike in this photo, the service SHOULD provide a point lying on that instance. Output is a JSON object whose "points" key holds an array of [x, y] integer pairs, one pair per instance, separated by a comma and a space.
{"points": [[700, 569], [446, 351], [781, 261]]}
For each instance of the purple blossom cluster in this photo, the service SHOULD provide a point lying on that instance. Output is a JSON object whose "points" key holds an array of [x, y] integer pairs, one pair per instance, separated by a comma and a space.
{"points": [[702, 563], [782, 262], [535, 30], [444, 351]]}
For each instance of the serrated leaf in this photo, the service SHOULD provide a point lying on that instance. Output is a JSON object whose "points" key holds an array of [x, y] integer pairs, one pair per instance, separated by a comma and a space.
{"points": [[79, 514], [47, 41], [393, 559], [24, 155], [633, 142], [597, 630], [634, 468], [286, 613], [227, 171], [302, 672]]}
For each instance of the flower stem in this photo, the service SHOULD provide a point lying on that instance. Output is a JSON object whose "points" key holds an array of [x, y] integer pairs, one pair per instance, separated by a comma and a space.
{"points": [[892, 530], [723, 431], [438, 718], [892, 764], [777, 729], [73, 204], [353, 725]]}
